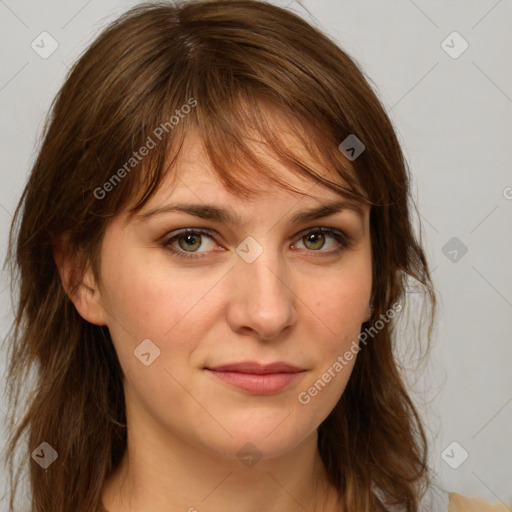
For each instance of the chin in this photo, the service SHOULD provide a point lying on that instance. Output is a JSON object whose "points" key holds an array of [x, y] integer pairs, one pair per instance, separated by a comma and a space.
{"points": [[258, 441]]}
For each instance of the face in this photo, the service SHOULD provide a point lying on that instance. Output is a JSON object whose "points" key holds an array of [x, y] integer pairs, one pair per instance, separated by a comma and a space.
{"points": [[267, 289]]}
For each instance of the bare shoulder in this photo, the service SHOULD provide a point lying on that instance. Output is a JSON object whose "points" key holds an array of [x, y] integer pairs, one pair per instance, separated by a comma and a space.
{"points": [[460, 503]]}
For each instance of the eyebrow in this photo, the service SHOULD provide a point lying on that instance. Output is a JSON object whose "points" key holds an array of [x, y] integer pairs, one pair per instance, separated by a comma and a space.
{"points": [[222, 215]]}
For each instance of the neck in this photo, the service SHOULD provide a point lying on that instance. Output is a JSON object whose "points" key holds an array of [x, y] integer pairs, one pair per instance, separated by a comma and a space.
{"points": [[165, 474]]}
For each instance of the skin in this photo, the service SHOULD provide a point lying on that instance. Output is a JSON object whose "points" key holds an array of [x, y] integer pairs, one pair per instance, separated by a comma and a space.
{"points": [[295, 303]]}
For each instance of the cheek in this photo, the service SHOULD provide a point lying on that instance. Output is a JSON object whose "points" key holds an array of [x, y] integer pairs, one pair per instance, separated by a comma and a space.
{"points": [[152, 302], [338, 311], [152, 299], [341, 301]]}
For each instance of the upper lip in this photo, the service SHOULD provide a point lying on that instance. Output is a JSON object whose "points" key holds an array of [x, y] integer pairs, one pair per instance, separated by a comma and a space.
{"points": [[255, 367]]}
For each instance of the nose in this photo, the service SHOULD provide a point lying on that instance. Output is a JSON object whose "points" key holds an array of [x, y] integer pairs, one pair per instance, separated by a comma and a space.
{"points": [[263, 302]]}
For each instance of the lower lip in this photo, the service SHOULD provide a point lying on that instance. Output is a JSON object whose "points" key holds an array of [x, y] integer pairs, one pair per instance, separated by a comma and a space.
{"points": [[259, 384]]}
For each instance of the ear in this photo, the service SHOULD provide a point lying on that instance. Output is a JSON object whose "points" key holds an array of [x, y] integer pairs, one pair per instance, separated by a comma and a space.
{"points": [[80, 286], [369, 312]]}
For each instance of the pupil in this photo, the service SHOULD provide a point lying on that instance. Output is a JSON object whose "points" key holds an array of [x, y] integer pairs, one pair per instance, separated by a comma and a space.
{"points": [[190, 240], [315, 238]]}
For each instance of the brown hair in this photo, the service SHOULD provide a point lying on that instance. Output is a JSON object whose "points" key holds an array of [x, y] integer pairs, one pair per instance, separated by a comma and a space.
{"points": [[224, 59]]}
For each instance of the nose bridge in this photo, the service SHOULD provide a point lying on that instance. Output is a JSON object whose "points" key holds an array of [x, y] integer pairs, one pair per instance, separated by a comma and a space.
{"points": [[263, 300]]}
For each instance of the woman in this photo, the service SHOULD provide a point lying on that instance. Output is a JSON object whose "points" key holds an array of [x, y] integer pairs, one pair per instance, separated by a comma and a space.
{"points": [[212, 248]]}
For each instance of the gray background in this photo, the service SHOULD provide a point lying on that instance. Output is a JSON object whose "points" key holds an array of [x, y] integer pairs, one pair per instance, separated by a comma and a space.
{"points": [[454, 119]]}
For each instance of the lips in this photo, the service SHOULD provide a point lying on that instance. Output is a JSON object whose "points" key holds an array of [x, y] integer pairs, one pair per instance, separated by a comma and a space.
{"points": [[257, 368], [256, 378]]}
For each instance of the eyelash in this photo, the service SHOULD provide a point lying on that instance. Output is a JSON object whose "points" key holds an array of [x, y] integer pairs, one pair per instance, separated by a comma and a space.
{"points": [[342, 238]]}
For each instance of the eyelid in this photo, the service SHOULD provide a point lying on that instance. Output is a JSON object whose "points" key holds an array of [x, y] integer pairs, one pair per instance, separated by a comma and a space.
{"points": [[166, 239], [342, 238], [345, 242]]}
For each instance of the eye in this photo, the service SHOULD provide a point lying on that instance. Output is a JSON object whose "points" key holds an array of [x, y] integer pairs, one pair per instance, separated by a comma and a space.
{"points": [[188, 240], [315, 240]]}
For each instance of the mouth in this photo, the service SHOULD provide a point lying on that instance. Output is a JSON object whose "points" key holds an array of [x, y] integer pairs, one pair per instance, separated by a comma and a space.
{"points": [[256, 378]]}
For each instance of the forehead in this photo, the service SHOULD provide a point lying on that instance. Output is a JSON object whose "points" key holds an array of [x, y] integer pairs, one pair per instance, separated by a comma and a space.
{"points": [[192, 173], [197, 190]]}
